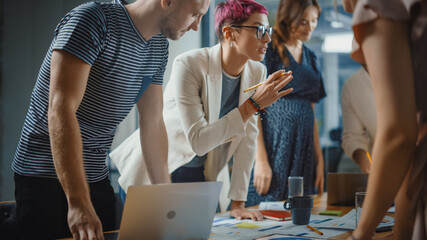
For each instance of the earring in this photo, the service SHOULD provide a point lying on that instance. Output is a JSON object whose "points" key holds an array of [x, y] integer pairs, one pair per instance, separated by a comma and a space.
{"points": [[231, 44]]}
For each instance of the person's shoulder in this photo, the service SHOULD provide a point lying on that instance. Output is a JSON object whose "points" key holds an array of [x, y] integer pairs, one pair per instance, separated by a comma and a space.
{"points": [[350, 81], [357, 78], [91, 13], [194, 56], [358, 81], [89, 8]]}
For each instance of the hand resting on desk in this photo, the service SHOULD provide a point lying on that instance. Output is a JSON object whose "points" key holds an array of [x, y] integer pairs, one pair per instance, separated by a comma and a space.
{"points": [[239, 212]]}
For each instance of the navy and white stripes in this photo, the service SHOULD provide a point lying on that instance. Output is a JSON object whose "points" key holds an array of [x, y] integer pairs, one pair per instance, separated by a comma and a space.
{"points": [[123, 65]]}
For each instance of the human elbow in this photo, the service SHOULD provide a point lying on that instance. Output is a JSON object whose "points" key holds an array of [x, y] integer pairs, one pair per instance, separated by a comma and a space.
{"points": [[55, 110], [197, 148], [401, 137], [196, 145]]}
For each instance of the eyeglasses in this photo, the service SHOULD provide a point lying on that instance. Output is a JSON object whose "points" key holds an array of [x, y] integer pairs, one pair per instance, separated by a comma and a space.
{"points": [[261, 30]]}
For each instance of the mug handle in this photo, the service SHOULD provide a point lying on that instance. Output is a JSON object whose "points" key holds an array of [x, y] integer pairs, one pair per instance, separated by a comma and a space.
{"points": [[287, 205]]}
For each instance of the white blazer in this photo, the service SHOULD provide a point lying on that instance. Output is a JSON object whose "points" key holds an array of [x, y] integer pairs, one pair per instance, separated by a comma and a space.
{"points": [[192, 102]]}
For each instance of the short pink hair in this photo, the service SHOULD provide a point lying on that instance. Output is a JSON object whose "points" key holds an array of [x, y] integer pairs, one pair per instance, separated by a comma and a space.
{"points": [[235, 12]]}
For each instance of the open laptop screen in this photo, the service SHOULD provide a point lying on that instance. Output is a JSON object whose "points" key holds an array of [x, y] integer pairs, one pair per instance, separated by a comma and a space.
{"points": [[170, 211], [341, 187]]}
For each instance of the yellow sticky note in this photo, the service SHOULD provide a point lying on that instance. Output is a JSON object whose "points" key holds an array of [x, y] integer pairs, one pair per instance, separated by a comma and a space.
{"points": [[247, 225]]}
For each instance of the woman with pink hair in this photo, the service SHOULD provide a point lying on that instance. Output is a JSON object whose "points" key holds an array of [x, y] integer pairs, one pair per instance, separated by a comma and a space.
{"points": [[209, 118]]}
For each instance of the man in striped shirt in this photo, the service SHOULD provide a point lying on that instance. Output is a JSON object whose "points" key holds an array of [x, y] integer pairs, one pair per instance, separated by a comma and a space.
{"points": [[104, 58]]}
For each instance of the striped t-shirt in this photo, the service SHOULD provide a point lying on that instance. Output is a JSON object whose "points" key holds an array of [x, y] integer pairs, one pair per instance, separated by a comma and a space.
{"points": [[123, 64]]}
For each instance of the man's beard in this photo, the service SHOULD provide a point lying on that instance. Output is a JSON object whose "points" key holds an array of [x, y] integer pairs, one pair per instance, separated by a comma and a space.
{"points": [[168, 31]]}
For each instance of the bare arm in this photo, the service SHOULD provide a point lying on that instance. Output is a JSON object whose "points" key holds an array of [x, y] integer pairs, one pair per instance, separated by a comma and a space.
{"points": [[154, 141], [69, 77], [386, 48], [320, 164], [262, 168]]}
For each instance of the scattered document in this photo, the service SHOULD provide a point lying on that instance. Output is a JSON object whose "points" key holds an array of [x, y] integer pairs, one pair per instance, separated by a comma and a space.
{"points": [[226, 227], [282, 237], [271, 206], [348, 222]]}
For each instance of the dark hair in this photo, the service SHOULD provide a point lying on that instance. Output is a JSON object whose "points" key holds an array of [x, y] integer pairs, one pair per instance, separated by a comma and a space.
{"points": [[289, 13], [235, 12]]}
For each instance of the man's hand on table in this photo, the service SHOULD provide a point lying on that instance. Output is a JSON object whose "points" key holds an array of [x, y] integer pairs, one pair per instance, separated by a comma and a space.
{"points": [[84, 223], [239, 212]]}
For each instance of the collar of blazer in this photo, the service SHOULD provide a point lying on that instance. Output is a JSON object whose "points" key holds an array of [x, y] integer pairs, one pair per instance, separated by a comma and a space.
{"points": [[214, 81]]}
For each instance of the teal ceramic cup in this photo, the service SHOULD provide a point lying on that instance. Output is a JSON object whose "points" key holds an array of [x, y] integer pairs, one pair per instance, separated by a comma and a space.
{"points": [[300, 208]]}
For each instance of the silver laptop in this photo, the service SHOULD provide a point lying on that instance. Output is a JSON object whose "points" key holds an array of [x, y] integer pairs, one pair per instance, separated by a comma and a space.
{"points": [[341, 187], [170, 211]]}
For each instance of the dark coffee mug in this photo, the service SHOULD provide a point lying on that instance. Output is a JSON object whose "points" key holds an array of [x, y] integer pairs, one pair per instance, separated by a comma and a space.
{"points": [[301, 209]]}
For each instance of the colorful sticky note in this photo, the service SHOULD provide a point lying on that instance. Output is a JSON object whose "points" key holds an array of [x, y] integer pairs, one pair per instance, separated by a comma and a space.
{"points": [[247, 225], [331, 212]]}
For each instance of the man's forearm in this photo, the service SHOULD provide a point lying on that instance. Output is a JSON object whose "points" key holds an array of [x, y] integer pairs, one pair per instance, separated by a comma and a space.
{"points": [[154, 144], [237, 204], [67, 153], [360, 156]]}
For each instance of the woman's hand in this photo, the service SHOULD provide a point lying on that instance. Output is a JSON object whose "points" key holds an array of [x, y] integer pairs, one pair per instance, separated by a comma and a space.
{"points": [[262, 176], [238, 211], [268, 92]]}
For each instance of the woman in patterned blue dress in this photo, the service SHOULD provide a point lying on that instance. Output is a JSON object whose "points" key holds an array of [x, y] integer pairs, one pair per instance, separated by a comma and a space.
{"points": [[288, 144]]}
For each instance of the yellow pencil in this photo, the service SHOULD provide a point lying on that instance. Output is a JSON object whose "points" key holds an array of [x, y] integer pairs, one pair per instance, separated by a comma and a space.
{"points": [[253, 87], [369, 157], [317, 231], [259, 84]]}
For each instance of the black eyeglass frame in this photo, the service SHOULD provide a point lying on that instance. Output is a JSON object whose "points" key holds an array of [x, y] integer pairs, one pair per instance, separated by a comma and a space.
{"points": [[261, 30]]}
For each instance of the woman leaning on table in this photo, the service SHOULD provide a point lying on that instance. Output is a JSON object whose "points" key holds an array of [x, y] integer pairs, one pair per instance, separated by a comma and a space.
{"points": [[392, 41], [208, 117], [207, 108], [288, 144]]}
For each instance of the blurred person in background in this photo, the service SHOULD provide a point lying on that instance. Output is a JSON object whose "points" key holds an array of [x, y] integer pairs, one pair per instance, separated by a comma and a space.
{"points": [[358, 118]]}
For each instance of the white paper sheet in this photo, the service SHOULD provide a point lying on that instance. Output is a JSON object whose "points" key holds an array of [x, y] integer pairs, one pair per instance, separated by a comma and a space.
{"points": [[348, 222], [224, 227]]}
